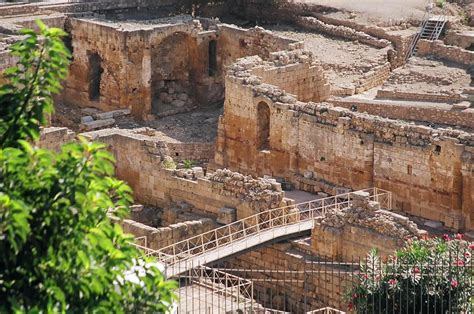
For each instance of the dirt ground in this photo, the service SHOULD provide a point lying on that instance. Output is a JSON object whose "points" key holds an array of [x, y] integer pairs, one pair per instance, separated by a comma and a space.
{"points": [[344, 61], [380, 12], [429, 76], [198, 126]]}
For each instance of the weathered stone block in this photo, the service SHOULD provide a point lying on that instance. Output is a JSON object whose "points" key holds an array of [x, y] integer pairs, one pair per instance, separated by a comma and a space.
{"points": [[226, 215]]}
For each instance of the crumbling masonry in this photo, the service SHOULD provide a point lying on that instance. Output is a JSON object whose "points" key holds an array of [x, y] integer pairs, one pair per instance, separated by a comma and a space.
{"points": [[211, 123]]}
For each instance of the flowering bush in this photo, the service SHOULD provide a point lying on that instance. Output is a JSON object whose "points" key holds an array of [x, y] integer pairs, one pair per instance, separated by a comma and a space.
{"points": [[427, 276]]}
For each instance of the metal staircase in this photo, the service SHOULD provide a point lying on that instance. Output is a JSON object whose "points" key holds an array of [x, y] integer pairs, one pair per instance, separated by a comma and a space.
{"points": [[252, 231], [430, 28]]}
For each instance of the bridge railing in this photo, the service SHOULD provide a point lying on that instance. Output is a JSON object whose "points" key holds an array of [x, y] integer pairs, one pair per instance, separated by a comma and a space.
{"points": [[217, 282], [259, 222]]}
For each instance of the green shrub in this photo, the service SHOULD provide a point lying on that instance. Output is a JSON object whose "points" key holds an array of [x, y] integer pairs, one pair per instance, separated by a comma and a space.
{"points": [[427, 276], [59, 249], [188, 164]]}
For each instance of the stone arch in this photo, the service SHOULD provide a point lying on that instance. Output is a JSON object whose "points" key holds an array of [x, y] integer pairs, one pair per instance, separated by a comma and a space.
{"points": [[263, 126], [173, 71]]}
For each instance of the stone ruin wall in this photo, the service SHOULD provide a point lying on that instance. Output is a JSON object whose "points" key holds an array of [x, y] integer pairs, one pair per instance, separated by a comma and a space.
{"points": [[450, 53], [158, 238], [349, 234], [309, 17], [139, 163], [236, 42], [418, 96], [463, 118], [134, 77], [54, 137], [420, 165], [325, 286], [127, 76], [459, 39]]}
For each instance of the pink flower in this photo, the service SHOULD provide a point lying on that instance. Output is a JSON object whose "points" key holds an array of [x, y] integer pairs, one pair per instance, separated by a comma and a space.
{"points": [[416, 270], [454, 283], [471, 246], [365, 276], [459, 236], [467, 254], [392, 282], [350, 306], [459, 263], [446, 237], [354, 296]]}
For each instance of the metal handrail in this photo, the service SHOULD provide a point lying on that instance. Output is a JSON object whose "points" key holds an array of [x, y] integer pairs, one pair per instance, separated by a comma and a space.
{"points": [[219, 282], [263, 221], [415, 40]]}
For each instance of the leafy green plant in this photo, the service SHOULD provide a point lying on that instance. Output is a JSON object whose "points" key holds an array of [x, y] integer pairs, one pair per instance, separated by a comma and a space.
{"points": [[441, 3], [24, 100], [188, 164], [60, 249], [427, 276], [169, 163]]}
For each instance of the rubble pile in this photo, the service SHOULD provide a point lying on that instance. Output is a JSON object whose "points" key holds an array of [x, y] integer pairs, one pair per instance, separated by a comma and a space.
{"points": [[366, 213], [262, 194]]}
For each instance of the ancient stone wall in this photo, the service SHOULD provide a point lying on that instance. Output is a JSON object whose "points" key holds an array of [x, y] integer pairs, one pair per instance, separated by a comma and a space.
{"points": [[99, 59], [311, 23], [418, 96], [316, 284], [450, 53], [420, 165], [174, 65], [302, 77], [54, 137], [443, 114], [349, 234], [158, 238], [236, 42], [460, 39], [139, 161]]}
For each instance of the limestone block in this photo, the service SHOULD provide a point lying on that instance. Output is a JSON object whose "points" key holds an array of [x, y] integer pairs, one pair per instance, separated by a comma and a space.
{"points": [[226, 215], [97, 124], [178, 103], [86, 119], [198, 172], [183, 96], [136, 208], [308, 174]]}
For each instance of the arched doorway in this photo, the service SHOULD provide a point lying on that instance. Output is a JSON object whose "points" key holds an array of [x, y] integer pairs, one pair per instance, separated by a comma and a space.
{"points": [[263, 126], [212, 58], [172, 73], [95, 76]]}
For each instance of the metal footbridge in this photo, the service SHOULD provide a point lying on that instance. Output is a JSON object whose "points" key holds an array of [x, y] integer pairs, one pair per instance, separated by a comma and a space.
{"points": [[254, 230]]}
